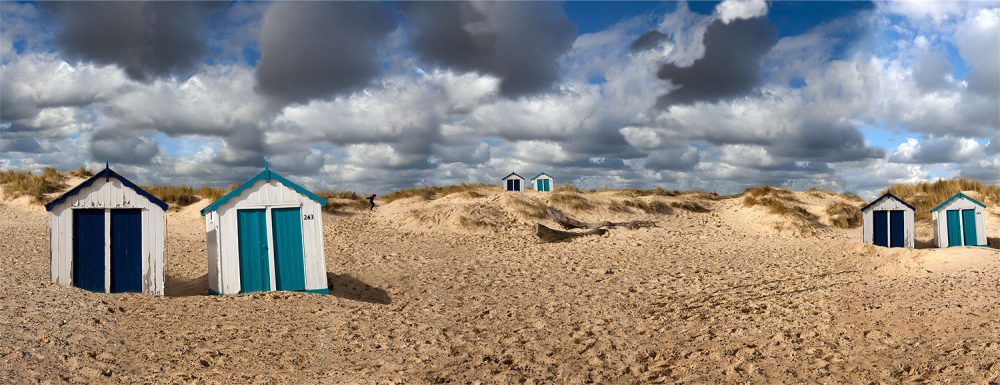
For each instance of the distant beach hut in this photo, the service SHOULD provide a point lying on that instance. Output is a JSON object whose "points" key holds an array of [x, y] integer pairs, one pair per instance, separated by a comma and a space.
{"points": [[958, 221], [107, 236], [542, 182], [265, 235], [513, 182], [888, 222]]}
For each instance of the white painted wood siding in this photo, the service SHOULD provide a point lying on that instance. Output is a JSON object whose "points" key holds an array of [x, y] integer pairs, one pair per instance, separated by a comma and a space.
{"points": [[941, 222], [887, 204], [108, 194], [224, 276], [521, 186]]}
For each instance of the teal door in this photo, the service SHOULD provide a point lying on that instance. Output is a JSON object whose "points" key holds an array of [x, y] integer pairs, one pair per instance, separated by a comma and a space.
{"points": [[969, 225], [954, 229], [254, 272], [545, 185], [289, 265]]}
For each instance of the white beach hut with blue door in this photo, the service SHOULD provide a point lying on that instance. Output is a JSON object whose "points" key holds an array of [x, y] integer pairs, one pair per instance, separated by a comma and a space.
{"points": [[542, 182], [266, 235], [107, 236], [513, 182], [959, 221], [888, 222]]}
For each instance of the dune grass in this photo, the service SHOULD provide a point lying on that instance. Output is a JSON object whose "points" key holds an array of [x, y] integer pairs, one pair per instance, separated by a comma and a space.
{"points": [[782, 202], [569, 199], [82, 172], [342, 200], [925, 195], [844, 215], [531, 208], [434, 192], [37, 186], [631, 205]]}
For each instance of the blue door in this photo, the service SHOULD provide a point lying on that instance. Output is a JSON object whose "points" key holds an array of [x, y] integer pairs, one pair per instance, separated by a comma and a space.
{"points": [[896, 229], [517, 185], [954, 229], [88, 249], [289, 265], [880, 227], [126, 251], [969, 225], [510, 185], [254, 271], [547, 186]]}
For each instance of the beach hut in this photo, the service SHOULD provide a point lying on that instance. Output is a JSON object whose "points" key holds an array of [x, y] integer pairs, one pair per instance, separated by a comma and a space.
{"points": [[542, 182], [107, 236], [513, 182], [265, 235], [958, 221], [887, 222]]}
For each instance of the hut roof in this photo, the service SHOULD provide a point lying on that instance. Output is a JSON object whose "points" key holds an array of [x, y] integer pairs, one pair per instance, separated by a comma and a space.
{"points": [[540, 174], [512, 174], [956, 196], [266, 175], [891, 196], [107, 172]]}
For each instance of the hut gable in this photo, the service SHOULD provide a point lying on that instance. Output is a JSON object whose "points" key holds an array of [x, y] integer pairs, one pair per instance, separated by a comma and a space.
{"points": [[267, 175], [877, 203], [93, 197]]}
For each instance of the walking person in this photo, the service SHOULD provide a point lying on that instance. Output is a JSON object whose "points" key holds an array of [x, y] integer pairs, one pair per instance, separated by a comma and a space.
{"points": [[371, 203]]}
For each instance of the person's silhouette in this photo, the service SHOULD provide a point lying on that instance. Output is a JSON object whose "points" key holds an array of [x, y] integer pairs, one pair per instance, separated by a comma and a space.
{"points": [[371, 203]]}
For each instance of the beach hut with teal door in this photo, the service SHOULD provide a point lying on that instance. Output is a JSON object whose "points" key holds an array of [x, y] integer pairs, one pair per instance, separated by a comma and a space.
{"points": [[266, 235], [887, 222], [107, 236], [542, 182], [959, 221]]}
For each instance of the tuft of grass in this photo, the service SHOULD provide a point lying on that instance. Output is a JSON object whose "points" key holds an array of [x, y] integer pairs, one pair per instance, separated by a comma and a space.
{"points": [[571, 200], [341, 200], [21, 183], [82, 172], [434, 192], [176, 196], [210, 193], [531, 208], [567, 188], [843, 215], [650, 207], [925, 195], [691, 206], [781, 202]]}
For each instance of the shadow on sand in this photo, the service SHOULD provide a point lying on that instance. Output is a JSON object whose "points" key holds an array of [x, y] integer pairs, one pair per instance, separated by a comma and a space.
{"points": [[176, 287], [993, 242], [348, 287]]}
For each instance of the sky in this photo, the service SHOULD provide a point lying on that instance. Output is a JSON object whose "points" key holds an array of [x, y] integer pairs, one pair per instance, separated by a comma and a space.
{"points": [[376, 96]]}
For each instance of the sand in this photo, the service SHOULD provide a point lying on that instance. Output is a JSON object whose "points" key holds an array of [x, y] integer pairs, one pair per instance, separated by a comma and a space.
{"points": [[421, 295]]}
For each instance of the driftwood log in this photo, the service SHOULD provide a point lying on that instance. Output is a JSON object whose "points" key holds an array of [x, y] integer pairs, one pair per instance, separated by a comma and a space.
{"points": [[546, 234], [570, 223]]}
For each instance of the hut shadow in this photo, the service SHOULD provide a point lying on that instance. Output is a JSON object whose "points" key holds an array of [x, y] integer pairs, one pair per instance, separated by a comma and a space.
{"points": [[923, 244], [348, 287], [993, 243], [176, 287]]}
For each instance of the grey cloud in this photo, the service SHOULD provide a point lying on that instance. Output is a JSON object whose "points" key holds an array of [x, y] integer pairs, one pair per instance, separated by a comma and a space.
{"points": [[932, 70], [945, 149], [25, 145], [315, 49], [519, 42], [147, 40], [648, 40], [123, 147], [681, 159], [730, 66]]}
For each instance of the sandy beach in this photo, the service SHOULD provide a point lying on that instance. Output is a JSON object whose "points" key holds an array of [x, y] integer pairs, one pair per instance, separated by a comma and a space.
{"points": [[456, 289]]}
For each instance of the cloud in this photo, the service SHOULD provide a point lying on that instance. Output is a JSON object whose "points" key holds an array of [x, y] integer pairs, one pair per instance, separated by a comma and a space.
{"points": [[314, 50], [937, 150], [519, 42], [731, 10], [978, 41], [123, 147], [729, 67], [146, 39], [932, 71]]}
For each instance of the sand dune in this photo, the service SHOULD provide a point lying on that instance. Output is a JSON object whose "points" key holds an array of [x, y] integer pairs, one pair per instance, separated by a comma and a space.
{"points": [[455, 290]]}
